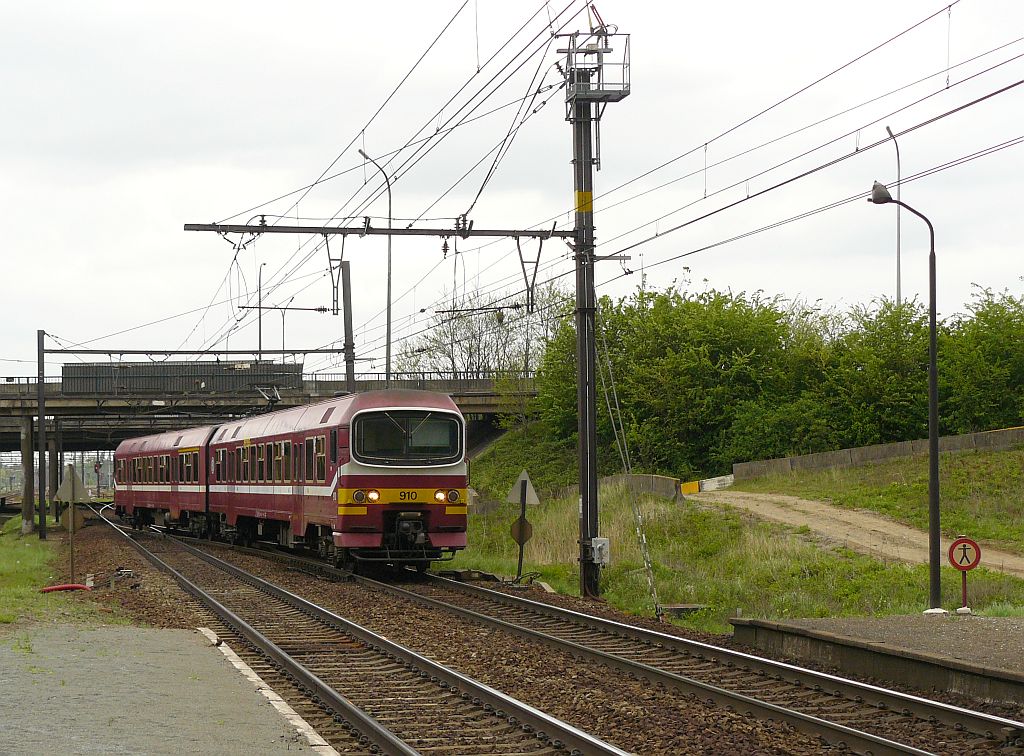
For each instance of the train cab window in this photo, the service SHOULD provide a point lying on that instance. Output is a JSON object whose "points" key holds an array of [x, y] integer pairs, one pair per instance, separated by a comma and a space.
{"points": [[309, 460], [321, 460], [286, 464], [334, 446], [261, 462], [397, 437]]}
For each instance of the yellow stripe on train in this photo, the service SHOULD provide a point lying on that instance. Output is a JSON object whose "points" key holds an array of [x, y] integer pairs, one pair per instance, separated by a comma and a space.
{"points": [[419, 496]]}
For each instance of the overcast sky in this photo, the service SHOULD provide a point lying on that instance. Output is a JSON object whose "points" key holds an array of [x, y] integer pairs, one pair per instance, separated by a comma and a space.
{"points": [[124, 121]]}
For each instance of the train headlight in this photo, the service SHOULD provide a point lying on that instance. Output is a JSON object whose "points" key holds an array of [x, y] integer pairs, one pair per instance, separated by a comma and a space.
{"points": [[359, 497], [373, 496], [439, 496], [453, 496]]}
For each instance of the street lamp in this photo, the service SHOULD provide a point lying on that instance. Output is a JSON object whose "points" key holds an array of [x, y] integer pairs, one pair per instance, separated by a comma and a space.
{"points": [[880, 196], [259, 316], [387, 353]]}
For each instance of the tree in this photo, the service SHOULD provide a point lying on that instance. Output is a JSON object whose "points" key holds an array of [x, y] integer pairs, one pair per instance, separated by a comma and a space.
{"points": [[982, 365]]}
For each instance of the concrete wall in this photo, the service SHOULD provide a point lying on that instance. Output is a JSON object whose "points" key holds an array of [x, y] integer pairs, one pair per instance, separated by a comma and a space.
{"points": [[988, 440]]}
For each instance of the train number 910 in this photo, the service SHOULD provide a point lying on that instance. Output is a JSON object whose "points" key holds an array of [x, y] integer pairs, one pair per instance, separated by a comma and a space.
{"points": [[407, 495]]}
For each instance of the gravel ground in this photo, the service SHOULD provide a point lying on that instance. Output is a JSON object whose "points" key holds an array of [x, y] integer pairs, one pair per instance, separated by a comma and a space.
{"points": [[130, 690], [635, 716], [632, 715]]}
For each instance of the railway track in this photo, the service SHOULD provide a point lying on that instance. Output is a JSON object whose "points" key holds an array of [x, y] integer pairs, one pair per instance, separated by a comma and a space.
{"points": [[387, 698], [843, 712]]}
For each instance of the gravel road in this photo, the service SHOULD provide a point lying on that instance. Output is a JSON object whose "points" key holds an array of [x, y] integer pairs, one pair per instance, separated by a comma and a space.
{"points": [[857, 529]]}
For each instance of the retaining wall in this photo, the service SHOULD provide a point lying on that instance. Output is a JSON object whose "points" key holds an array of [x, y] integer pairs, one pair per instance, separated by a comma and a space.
{"points": [[987, 440]]}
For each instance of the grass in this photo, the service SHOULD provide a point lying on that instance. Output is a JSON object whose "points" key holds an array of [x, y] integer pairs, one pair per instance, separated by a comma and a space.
{"points": [[711, 555], [26, 565], [980, 492]]}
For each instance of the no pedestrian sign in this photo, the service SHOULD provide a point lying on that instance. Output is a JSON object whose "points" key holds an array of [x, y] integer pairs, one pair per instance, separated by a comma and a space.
{"points": [[964, 554]]}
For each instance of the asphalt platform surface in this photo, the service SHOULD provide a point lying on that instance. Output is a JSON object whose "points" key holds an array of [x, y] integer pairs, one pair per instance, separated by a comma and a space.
{"points": [[130, 690]]}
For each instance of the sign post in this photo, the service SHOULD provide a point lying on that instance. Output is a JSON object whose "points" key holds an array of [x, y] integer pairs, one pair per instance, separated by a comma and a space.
{"points": [[964, 554], [71, 491], [522, 531]]}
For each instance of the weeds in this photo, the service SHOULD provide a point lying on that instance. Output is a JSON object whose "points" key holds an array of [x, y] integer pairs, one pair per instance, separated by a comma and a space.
{"points": [[712, 555]]}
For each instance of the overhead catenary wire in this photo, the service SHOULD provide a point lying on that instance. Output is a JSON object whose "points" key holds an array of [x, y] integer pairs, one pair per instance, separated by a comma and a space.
{"points": [[813, 170], [435, 139], [823, 78], [859, 196], [749, 178]]}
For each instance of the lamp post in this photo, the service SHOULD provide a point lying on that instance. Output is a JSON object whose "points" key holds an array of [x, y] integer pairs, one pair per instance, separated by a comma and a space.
{"points": [[284, 311], [899, 298], [259, 315], [880, 196], [387, 353]]}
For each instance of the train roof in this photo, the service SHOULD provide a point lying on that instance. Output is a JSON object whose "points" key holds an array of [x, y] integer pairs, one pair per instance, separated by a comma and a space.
{"points": [[165, 442], [329, 413], [324, 414]]}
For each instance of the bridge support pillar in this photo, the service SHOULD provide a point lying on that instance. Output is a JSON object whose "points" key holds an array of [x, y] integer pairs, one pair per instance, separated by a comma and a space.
{"points": [[28, 471], [53, 470]]}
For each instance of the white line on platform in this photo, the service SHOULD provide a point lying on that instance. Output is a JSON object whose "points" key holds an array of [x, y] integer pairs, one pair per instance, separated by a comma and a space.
{"points": [[318, 744]]}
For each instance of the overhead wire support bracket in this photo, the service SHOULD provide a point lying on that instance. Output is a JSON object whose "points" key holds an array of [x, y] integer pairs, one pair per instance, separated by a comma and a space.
{"points": [[334, 265], [529, 281]]}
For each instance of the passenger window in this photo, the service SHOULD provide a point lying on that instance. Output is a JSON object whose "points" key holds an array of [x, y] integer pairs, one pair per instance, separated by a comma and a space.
{"points": [[195, 466], [321, 460], [334, 447], [287, 463], [309, 460]]}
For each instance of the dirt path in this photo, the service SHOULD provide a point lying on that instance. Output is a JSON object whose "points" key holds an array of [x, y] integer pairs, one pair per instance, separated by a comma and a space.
{"points": [[856, 529]]}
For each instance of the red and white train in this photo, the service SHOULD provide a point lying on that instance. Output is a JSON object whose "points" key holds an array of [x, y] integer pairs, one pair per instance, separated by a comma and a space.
{"points": [[379, 476]]}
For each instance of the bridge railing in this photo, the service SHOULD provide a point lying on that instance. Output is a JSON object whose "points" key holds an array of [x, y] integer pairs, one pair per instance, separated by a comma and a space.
{"points": [[452, 382], [22, 386]]}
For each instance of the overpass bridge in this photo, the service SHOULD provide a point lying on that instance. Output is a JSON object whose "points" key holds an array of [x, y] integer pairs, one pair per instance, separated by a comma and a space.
{"points": [[94, 407]]}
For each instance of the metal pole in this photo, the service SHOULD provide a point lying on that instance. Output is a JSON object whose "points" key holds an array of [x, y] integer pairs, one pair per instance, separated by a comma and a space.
{"points": [[899, 298], [586, 400], [350, 344], [934, 534], [41, 437], [284, 310], [522, 528], [259, 316], [387, 353]]}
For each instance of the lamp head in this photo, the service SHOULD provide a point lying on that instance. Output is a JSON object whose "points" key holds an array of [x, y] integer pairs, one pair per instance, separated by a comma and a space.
{"points": [[880, 194]]}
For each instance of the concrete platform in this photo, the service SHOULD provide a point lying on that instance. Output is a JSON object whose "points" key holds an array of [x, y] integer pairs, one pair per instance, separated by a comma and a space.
{"points": [[123, 689], [981, 657]]}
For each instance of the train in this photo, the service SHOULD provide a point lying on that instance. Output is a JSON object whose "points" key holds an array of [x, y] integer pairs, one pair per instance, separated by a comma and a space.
{"points": [[369, 478]]}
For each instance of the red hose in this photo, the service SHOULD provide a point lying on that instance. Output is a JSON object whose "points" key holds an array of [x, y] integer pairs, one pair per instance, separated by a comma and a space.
{"points": [[65, 587]]}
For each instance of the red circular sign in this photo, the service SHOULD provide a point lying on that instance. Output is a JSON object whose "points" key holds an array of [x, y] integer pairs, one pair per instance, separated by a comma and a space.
{"points": [[964, 554]]}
